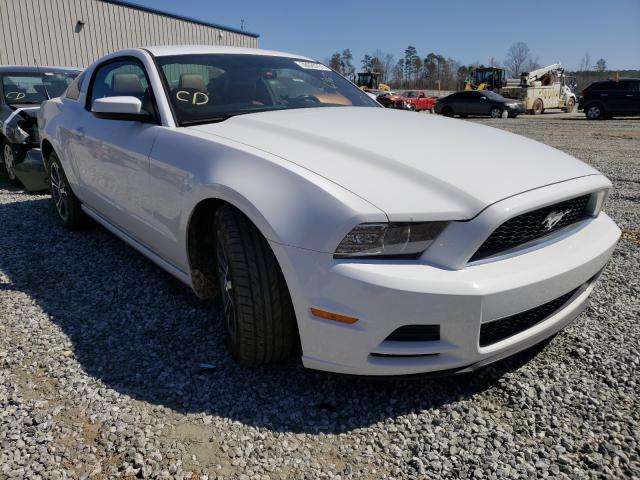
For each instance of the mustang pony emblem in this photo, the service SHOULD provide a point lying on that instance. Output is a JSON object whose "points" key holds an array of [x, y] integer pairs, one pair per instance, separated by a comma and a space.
{"points": [[553, 218]]}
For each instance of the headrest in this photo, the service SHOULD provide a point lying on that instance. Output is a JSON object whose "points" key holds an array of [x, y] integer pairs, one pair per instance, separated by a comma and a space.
{"points": [[193, 81], [127, 83]]}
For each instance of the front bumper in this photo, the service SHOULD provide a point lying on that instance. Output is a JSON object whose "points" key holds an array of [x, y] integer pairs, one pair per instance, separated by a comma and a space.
{"points": [[385, 295], [515, 110]]}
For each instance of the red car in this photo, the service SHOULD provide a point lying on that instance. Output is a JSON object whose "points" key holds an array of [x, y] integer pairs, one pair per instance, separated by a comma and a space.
{"points": [[418, 100]]}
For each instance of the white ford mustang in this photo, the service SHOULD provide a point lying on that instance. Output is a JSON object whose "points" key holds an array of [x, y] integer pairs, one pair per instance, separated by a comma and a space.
{"points": [[260, 178]]}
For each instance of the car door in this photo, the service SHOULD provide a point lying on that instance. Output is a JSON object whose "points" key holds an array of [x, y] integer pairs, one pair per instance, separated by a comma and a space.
{"points": [[628, 96], [634, 95], [112, 156], [422, 102], [473, 103]]}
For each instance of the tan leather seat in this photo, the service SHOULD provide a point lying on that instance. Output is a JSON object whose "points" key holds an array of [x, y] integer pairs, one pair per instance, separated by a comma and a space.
{"points": [[192, 81], [127, 84]]}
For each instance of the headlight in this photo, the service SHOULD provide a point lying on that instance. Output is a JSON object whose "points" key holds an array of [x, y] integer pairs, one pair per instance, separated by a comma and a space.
{"points": [[513, 104], [389, 239], [16, 135]]}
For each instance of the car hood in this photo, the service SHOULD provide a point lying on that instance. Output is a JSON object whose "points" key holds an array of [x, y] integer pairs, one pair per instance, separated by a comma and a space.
{"points": [[411, 166]]}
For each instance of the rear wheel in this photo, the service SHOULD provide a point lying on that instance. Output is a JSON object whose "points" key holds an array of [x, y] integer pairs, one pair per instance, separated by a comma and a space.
{"points": [[538, 107], [260, 322], [66, 204], [594, 112], [495, 112], [9, 159]]}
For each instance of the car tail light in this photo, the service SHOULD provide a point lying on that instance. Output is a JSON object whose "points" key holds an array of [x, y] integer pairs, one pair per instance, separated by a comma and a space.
{"points": [[583, 93]]}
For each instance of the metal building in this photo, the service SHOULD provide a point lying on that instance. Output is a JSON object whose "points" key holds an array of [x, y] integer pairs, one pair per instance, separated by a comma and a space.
{"points": [[74, 33]]}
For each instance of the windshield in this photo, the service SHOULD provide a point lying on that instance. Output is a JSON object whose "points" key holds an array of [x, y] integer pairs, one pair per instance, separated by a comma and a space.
{"points": [[213, 87], [35, 88]]}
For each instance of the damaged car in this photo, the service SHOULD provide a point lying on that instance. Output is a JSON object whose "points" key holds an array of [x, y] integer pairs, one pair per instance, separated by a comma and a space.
{"points": [[22, 90]]}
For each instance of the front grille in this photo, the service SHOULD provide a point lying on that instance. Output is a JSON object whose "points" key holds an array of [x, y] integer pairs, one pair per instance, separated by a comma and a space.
{"points": [[532, 225], [498, 330], [415, 333]]}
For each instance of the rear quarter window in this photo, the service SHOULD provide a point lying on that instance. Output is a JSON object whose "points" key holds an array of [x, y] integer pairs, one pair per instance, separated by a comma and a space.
{"points": [[73, 91]]}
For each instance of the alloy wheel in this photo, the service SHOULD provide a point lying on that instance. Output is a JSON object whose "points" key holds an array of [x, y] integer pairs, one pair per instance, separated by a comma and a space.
{"points": [[496, 113], [8, 161], [594, 112], [226, 290], [59, 192]]}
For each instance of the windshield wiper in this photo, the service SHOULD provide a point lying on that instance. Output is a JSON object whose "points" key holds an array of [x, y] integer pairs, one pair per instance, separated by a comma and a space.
{"points": [[201, 121]]}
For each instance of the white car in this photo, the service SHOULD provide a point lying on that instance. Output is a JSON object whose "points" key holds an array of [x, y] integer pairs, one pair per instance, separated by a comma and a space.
{"points": [[259, 177]]}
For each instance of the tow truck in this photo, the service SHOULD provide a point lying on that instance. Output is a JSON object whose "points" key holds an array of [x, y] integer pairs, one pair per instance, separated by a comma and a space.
{"points": [[541, 89]]}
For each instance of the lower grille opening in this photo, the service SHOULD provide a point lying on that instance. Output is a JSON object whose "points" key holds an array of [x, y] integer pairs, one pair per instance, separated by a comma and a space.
{"points": [[498, 330], [415, 333], [408, 355]]}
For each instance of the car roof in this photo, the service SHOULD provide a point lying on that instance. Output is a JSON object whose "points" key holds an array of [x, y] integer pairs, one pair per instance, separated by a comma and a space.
{"points": [[33, 69], [169, 50], [619, 80]]}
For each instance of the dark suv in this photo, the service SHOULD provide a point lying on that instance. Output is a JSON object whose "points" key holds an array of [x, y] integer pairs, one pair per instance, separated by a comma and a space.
{"points": [[611, 98]]}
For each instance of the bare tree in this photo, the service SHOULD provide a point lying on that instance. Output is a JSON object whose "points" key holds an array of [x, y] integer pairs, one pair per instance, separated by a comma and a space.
{"points": [[601, 65], [518, 56], [585, 63], [532, 64], [388, 62]]}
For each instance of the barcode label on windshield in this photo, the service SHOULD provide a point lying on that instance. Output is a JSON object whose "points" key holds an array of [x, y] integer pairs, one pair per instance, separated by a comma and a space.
{"points": [[312, 66]]}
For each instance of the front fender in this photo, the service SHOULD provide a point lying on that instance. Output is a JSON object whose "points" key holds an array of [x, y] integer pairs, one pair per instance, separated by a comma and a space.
{"points": [[288, 204]]}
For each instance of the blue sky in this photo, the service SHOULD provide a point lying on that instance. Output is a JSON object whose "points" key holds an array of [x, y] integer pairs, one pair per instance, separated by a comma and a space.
{"points": [[555, 30]]}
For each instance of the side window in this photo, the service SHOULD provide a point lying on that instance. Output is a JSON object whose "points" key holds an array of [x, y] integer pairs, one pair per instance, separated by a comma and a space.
{"points": [[603, 87], [125, 78], [629, 85], [73, 90]]}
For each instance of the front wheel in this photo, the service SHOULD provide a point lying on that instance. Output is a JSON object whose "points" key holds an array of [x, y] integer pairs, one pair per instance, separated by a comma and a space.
{"points": [[538, 107], [9, 159], [260, 322], [65, 202], [495, 112], [447, 112], [571, 103]]}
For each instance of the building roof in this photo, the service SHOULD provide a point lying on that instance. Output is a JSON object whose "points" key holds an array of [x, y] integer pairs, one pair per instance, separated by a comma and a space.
{"points": [[124, 3], [167, 50]]}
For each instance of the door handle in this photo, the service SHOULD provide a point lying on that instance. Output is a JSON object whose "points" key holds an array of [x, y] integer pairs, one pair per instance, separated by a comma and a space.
{"points": [[629, 95], [604, 94]]}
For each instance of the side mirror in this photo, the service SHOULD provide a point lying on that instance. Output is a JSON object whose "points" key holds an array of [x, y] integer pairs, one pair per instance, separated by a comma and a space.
{"points": [[120, 108]]}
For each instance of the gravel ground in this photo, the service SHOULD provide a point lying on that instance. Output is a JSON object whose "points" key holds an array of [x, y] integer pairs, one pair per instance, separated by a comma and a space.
{"points": [[101, 353]]}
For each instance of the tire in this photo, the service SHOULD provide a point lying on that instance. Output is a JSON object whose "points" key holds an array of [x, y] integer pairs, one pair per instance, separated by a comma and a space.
{"points": [[463, 115], [412, 107], [495, 112], [571, 103], [538, 107], [260, 323], [65, 203], [9, 157], [594, 112], [447, 112]]}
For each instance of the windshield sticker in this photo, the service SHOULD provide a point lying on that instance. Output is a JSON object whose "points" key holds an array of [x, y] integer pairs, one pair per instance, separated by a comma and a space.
{"points": [[311, 66]]}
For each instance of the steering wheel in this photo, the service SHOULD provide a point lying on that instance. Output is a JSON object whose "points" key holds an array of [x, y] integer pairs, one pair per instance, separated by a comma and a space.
{"points": [[15, 95], [305, 98]]}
